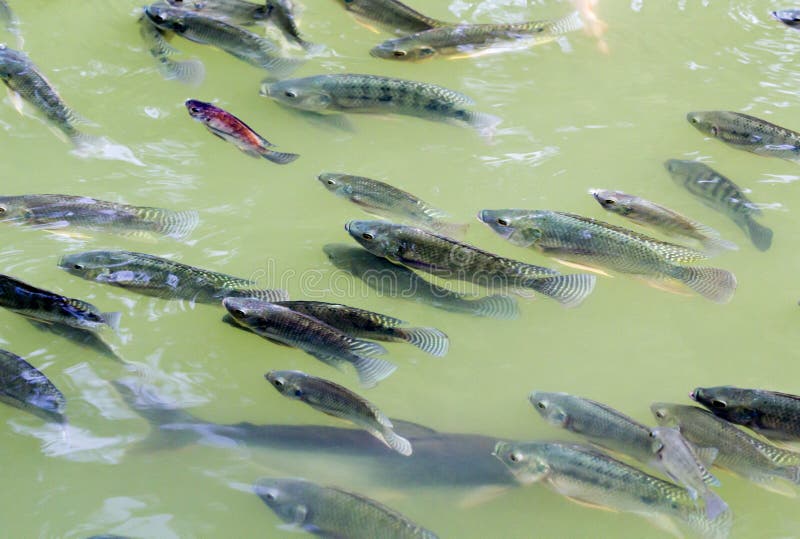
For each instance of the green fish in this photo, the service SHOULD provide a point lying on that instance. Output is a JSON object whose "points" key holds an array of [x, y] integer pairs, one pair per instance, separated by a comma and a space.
{"points": [[332, 512], [162, 278], [383, 200], [187, 71], [399, 282], [748, 133], [68, 211], [775, 415], [662, 219], [326, 343], [337, 401], [392, 15], [369, 325], [470, 40], [378, 95], [282, 15], [590, 477], [587, 241], [25, 387], [721, 194], [450, 259], [239, 12]]}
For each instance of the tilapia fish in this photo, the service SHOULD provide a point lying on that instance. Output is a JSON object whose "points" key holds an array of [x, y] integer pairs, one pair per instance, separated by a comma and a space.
{"points": [[68, 211], [450, 259], [332, 512], [338, 401], [233, 11], [316, 338], [399, 282], [162, 278], [187, 71], [466, 40], [25, 387], [364, 324], [721, 194], [392, 15], [748, 133], [231, 129], [281, 13], [789, 17], [773, 414], [378, 95], [594, 243]]}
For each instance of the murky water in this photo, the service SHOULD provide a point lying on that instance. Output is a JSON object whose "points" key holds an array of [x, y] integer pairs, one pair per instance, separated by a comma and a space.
{"points": [[575, 118]]}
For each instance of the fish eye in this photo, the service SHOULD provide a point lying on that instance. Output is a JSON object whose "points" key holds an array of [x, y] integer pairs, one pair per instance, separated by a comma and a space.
{"points": [[609, 202], [270, 496], [660, 414], [426, 51], [298, 392], [290, 94], [515, 456], [331, 182], [77, 266], [196, 110], [714, 131], [277, 382], [502, 222], [541, 405], [693, 120], [718, 404], [367, 236], [238, 313], [158, 18], [2, 209], [399, 53]]}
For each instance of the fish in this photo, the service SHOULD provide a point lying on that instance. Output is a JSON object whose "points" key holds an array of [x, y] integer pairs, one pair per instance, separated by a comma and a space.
{"points": [[590, 477], [162, 278], [748, 133], [683, 465], [468, 40], [49, 307], [187, 71], [378, 95], [231, 129], [25, 387], [662, 219], [364, 324], [721, 194], [770, 413], [400, 282], [338, 401], [238, 12], [450, 259], [384, 200], [391, 14], [789, 17], [592, 242], [281, 13], [84, 338], [333, 512], [316, 338], [10, 22], [57, 211], [235, 40], [738, 451]]}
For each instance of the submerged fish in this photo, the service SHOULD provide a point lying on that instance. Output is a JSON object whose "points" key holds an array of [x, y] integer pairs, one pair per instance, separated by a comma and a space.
{"points": [[392, 15], [10, 21], [162, 278], [775, 415], [748, 133], [450, 259], [661, 219], [465, 40], [338, 401], [316, 338], [233, 11], [332, 512], [68, 211], [721, 194], [789, 17], [231, 129], [364, 324], [400, 282], [595, 243], [380, 95], [281, 13], [24, 386], [590, 477], [187, 71]]}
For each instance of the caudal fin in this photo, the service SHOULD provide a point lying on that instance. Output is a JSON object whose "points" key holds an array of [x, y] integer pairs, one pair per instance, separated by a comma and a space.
{"points": [[179, 224], [429, 340], [371, 370], [715, 284], [191, 72], [715, 505], [760, 235], [281, 158], [569, 290], [395, 441], [112, 320], [496, 306], [486, 124]]}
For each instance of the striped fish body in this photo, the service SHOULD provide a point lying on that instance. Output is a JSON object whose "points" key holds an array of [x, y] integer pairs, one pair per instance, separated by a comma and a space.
{"points": [[392, 15], [748, 133], [234, 11], [25, 387]]}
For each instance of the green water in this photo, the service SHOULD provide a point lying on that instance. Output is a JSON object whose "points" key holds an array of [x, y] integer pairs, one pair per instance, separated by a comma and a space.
{"points": [[575, 118]]}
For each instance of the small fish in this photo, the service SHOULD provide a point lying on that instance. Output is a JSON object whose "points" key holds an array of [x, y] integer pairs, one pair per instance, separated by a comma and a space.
{"points": [[235, 40], [332, 512], [721, 194], [369, 325], [450, 259], [25, 387], [338, 401], [595, 243], [67, 211], [661, 219], [162, 278], [789, 17], [316, 338], [383, 200], [399, 282], [738, 451], [466, 40], [748, 133], [187, 71], [682, 464], [391, 14], [775, 415], [378, 95], [233, 11], [49, 307], [231, 129]]}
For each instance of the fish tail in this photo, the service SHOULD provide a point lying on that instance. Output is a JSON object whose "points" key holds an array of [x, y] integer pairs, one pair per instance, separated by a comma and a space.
{"points": [[366, 348], [715, 246], [715, 284], [371, 370], [396, 442], [760, 235], [715, 505], [569, 290], [179, 224], [312, 48], [282, 158], [112, 319], [191, 72], [568, 23], [792, 473], [271, 295], [486, 124], [712, 528], [429, 340], [496, 306]]}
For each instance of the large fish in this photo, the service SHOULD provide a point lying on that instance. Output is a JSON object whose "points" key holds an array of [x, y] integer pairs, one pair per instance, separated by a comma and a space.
{"points": [[22, 385], [391, 14], [748, 133]]}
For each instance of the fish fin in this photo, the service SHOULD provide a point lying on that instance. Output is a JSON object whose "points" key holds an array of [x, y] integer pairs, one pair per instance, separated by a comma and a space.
{"points": [[179, 224], [569, 290], [366, 348], [715, 246], [497, 306], [482, 495], [409, 428], [429, 340], [371, 371], [715, 505], [364, 24], [453, 230], [583, 267], [312, 49], [707, 455], [191, 72], [760, 235], [16, 101], [395, 441], [271, 295], [663, 522], [112, 319], [715, 284], [486, 124], [592, 505], [777, 487], [665, 285], [792, 473], [281, 158], [329, 121]]}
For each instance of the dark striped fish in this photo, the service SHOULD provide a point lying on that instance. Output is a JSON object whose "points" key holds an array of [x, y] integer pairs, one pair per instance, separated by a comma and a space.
{"points": [[25, 387], [188, 71], [392, 15], [748, 133]]}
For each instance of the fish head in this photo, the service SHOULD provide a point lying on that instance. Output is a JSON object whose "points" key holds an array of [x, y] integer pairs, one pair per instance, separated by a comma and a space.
{"points": [[404, 48], [549, 407], [166, 17], [287, 383], [16, 209], [243, 310], [338, 184], [679, 168], [377, 237], [301, 94], [665, 414], [344, 256], [789, 17], [614, 201], [201, 111], [730, 403], [515, 226], [94, 265], [707, 122], [286, 497], [522, 460]]}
